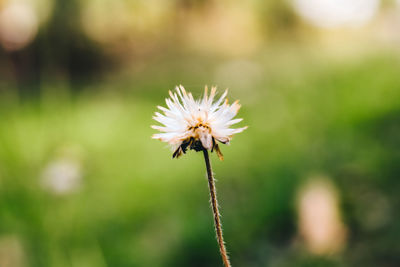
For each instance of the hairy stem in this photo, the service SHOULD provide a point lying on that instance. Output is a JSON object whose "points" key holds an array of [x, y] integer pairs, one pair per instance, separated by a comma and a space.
{"points": [[214, 204]]}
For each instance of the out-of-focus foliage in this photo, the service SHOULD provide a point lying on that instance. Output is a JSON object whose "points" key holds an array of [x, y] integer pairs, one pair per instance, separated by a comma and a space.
{"points": [[312, 182]]}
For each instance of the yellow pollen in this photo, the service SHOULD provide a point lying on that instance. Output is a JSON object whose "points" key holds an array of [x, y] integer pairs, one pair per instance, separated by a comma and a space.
{"points": [[199, 125]]}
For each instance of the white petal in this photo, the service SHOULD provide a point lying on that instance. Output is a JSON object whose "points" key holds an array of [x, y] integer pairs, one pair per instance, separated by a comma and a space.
{"points": [[206, 140]]}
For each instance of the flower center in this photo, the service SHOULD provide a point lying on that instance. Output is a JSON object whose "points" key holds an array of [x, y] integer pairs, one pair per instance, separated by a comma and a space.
{"points": [[200, 126]]}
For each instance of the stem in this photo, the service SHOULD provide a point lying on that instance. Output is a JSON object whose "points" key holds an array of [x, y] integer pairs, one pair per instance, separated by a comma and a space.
{"points": [[214, 204]]}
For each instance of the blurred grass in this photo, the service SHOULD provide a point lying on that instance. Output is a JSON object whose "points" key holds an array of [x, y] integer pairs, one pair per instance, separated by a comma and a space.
{"points": [[138, 207]]}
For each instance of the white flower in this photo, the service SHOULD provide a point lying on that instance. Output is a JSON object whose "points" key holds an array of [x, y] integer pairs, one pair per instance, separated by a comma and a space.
{"points": [[197, 124]]}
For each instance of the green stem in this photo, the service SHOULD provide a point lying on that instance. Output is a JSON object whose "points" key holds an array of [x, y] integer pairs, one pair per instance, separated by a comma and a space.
{"points": [[214, 204]]}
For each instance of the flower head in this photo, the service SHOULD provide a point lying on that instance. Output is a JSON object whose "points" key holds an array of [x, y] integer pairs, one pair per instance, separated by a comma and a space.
{"points": [[196, 124]]}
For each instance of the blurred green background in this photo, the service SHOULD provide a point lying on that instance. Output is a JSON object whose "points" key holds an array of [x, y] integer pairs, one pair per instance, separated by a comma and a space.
{"points": [[313, 181]]}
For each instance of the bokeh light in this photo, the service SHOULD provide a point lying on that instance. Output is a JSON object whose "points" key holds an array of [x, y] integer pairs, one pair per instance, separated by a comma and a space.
{"points": [[121, 22], [320, 221], [63, 174], [337, 13], [20, 21], [18, 25]]}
